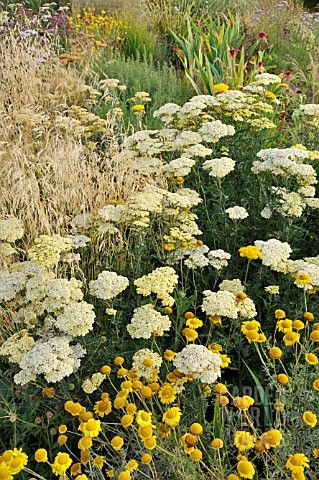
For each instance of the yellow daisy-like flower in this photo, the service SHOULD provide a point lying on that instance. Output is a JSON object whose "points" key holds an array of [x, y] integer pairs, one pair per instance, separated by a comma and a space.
{"points": [[85, 443], [61, 463], [91, 428], [308, 316], [15, 460], [138, 108], [150, 443], [169, 355], [167, 393], [196, 455], [225, 360], [220, 87], [99, 461], [315, 452], [103, 407], [244, 440], [196, 428], [215, 347], [172, 416], [275, 353], [315, 385], [146, 458], [245, 468], [131, 465], [127, 420], [290, 338], [284, 325], [297, 462], [217, 443], [311, 358], [41, 455], [220, 388], [143, 418], [243, 403], [251, 252], [190, 334], [282, 378], [249, 326], [215, 319], [272, 438], [270, 95], [194, 323], [106, 370], [124, 475], [310, 419], [280, 314], [145, 432], [304, 279], [117, 442]]}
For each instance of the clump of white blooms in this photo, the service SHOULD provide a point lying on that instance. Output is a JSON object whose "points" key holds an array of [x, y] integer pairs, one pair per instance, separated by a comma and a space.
{"points": [[289, 164], [147, 322], [54, 358], [265, 79], [11, 229], [47, 250], [108, 285], [143, 371], [273, 251], [91, 384], [237, 213], [11, 283], [225, 303], [195, 257], [76, 319], [213, 131], [199, 362], [180, 167], [218, 258], [233, 286], [222, 303], [199, 256], [17, 346], [219, 167], [309, 113], [56, 293], [161, 281]]}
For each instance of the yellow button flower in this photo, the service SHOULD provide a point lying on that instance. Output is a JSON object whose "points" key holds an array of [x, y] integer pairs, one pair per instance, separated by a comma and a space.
{"points": [[310, 419]]}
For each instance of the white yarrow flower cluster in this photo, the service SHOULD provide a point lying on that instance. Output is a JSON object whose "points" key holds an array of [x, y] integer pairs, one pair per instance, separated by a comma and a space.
{"points": [[198, 361], [218, 258], [91, 384], [180, 167], [17, 346], [213, 131], [54, 358], [108, 285], [11, 229], [224, 303], [76, 319], [233, 286], [273, 251], [237, 213], [219, 167], [161, 281], [147, 322]]}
